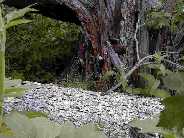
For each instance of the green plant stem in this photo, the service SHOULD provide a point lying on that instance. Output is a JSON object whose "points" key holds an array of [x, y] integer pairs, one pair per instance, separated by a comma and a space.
{"points": [[2, 76], [2, 59]]}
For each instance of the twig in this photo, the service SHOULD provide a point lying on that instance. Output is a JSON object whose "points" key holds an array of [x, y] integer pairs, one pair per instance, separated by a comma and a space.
{"points": [[170, 52], [138, 26], [147, 63], [136, 40], [139, 64], [136, 66], [173, 63]]}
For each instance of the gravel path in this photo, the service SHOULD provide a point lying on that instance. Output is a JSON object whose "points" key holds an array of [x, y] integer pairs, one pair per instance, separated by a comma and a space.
{"points": [[112, 111]]}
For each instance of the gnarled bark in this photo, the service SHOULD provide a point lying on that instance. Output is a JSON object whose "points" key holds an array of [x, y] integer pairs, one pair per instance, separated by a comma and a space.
{"points": [[100, 19]]}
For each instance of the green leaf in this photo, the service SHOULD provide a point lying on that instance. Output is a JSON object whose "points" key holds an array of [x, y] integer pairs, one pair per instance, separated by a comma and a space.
{"points": [[150, 87], [120, 76], [41, 127], [45, 128], [134, 90], [12, 83], [1, 106], [158, 19], [10, 90], [31, 114], [154, 86], [4, 130], [17, 22], [169, 136], [147, 125], [157, 57], [88, 131], [14, 92], [160, 93], [18, 14], [174, 81], [107, 75], [68, 131], [149, 78], [151, 126], [21, 125], [163, 70], [38, 127], [173, 115]]}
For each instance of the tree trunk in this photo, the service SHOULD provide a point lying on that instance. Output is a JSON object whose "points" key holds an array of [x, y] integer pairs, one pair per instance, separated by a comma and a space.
{"points": [[101, 20]]}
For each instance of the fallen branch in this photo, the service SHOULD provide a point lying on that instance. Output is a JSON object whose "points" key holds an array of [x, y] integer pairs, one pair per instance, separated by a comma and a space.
{"points": [[136, 66], [173, 63]]}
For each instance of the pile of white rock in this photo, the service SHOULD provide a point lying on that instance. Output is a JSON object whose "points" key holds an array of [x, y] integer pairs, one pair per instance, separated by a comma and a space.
{"points": [[112, 111]]}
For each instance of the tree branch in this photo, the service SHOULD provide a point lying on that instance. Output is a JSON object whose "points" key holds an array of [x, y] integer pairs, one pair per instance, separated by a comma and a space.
{"points": [[136, 40], [173, 63], [136, 66]]}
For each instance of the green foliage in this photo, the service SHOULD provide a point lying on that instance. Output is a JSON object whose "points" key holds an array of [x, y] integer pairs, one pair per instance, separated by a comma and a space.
{"points": [[17, 22], [12, 83], [32, 114], [5, 88], [108, 75], [4, 130], [147, 125], [158, 57], [14, 18], [159, 81], [14, 92], [160, 70], [120, 77], [38, 51], [174, 81], [173, 115], [150, 88], [13, 88], [89, 85], [170, 122], [157, 18], [17, 15], [15, 125], [151, 126], [40, 127], [169, 135]]}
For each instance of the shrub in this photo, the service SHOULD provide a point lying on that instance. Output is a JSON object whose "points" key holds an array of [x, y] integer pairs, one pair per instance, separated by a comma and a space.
{"points": [[40, 50]]}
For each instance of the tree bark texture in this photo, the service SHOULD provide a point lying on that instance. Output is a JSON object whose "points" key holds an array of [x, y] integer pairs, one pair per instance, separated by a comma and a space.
{"points": [[102, 20]]}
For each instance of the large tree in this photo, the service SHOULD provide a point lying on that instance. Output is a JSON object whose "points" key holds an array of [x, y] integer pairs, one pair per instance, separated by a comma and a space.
{"points": [[103, 21]]}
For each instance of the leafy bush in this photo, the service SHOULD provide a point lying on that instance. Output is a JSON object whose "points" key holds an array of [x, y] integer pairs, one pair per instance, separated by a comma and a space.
{"points": [[40, 50], [157, 18]]}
